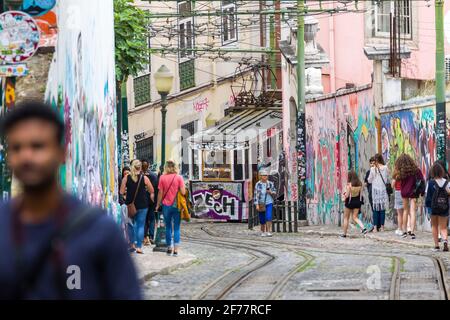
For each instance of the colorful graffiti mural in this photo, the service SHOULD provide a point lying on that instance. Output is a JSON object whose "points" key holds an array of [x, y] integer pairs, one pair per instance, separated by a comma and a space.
{"points": [[221, 200], [329, 153], [81, 86], [44, 13], [410, 131]]}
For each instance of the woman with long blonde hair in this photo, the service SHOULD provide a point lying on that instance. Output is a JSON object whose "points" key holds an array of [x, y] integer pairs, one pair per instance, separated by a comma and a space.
{"points": [[135, 187], [170, 183]]}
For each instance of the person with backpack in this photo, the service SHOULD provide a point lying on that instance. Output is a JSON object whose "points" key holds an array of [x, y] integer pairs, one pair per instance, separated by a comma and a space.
{"points": [[437, 199], [135, 187], [170, 184], [353, 200], [381, 190], [53, 246], [412, 187]]}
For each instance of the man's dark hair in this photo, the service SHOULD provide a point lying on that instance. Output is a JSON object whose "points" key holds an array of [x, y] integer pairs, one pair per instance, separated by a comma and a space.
{"points": [[32, 110]]}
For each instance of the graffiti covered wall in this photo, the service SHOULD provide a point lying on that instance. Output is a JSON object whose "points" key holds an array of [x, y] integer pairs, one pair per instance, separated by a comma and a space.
{"points": [[340, 134], [81, 86], [220, 200], [411, 131]]}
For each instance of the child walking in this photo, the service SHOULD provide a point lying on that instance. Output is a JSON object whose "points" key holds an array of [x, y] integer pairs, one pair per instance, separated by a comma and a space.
{"points": [[352, 198]]}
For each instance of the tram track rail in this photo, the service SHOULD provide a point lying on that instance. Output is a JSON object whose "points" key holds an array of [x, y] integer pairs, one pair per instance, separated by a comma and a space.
{"points": [[395, 284]]}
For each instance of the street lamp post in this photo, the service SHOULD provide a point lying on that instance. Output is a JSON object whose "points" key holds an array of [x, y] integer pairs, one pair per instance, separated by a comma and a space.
{"points": [[163, 82]]}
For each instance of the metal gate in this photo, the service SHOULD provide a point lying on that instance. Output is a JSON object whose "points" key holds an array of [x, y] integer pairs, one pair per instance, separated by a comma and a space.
{"points": [[284, 216]]}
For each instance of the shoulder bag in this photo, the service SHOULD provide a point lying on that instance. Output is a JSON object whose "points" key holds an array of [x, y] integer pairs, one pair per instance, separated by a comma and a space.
{"points": [[261, 207], [131, 207], [389, 189]]}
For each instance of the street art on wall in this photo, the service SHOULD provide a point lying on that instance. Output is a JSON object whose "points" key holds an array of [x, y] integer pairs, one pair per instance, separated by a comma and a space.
{"points": [[329, 123], [37, 7], [81, 86], [412, 132], [19, 37], [219, 200]]}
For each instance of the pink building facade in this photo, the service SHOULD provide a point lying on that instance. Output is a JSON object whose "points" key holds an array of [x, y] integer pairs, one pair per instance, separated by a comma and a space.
{"points": [[362, 108]]}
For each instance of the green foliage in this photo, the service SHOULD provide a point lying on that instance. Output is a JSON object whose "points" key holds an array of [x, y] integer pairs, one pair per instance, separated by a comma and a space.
{"points": [[132, 52]]}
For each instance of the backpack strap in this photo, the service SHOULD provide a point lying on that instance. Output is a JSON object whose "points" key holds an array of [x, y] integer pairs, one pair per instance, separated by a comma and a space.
{"points": [[29, 279]]}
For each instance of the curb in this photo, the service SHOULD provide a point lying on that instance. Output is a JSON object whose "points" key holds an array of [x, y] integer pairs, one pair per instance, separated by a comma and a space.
{"points": [[167, 270]]}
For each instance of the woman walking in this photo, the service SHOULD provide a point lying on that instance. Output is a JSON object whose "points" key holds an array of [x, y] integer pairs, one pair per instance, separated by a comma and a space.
{"points": [[353, 201], [378, 177], [135, 187], [264, 194], [170, 183], [438, 192], [411, 188], [398, 201]]}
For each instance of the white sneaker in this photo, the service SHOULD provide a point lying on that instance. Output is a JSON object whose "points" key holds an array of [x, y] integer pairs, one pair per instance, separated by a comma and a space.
{"points": [[269, 234], [263, 234], [398, 232]]}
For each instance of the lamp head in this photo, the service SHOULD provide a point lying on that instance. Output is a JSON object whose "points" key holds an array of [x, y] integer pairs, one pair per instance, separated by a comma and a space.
{"points": [[163, 80]]}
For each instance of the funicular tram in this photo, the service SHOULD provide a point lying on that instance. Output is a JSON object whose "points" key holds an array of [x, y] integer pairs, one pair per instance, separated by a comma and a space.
{"points": [[230, 154]]}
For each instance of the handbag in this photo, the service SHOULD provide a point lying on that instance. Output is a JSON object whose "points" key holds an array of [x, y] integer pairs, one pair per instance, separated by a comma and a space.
{"points": [[131, 207], [419, 187], [389, 189]]}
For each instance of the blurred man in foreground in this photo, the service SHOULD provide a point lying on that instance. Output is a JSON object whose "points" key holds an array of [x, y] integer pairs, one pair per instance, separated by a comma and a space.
{"points": [[52, 245]]}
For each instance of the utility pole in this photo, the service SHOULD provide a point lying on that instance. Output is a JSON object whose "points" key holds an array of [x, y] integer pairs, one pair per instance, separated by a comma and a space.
{"points": [[440, 81], [301, 125], [273, 62]]}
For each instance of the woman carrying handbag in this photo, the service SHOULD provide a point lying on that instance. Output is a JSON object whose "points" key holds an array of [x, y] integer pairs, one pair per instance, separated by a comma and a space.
{"points": [[264, 193], [170, 184], [135, 187], [381, 190]]}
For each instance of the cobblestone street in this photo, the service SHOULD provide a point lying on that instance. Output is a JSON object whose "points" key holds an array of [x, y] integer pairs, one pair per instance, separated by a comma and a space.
{"points": [[234, 263]]}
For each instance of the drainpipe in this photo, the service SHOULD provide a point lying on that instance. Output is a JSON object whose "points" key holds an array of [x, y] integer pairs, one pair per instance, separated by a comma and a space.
{"points": [[332, 55]]}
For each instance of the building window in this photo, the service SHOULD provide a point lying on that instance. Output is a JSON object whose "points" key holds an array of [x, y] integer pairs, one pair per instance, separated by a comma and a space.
{"points": [[142, 90], [187, 130], [383, 10], [185, 29], [229, 22], [187, 74], [144, 150]]}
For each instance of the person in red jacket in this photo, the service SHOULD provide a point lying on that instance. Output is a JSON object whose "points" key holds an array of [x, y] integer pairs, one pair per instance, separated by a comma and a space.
{"points": [[411, 179]]}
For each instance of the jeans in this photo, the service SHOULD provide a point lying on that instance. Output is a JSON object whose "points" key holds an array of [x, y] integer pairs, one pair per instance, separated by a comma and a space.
{"points": [[172, 220], [139, 224], [130, 233], [378, 218], [150, 222]]}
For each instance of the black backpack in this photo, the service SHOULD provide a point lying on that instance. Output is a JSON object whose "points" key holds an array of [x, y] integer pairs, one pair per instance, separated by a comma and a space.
{"points": [[439, 202]]}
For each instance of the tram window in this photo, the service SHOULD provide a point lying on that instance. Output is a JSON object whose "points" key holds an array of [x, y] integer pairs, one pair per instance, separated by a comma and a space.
{"points": [[217, 165], [195, 166], [246, 164], [238, 165]]}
